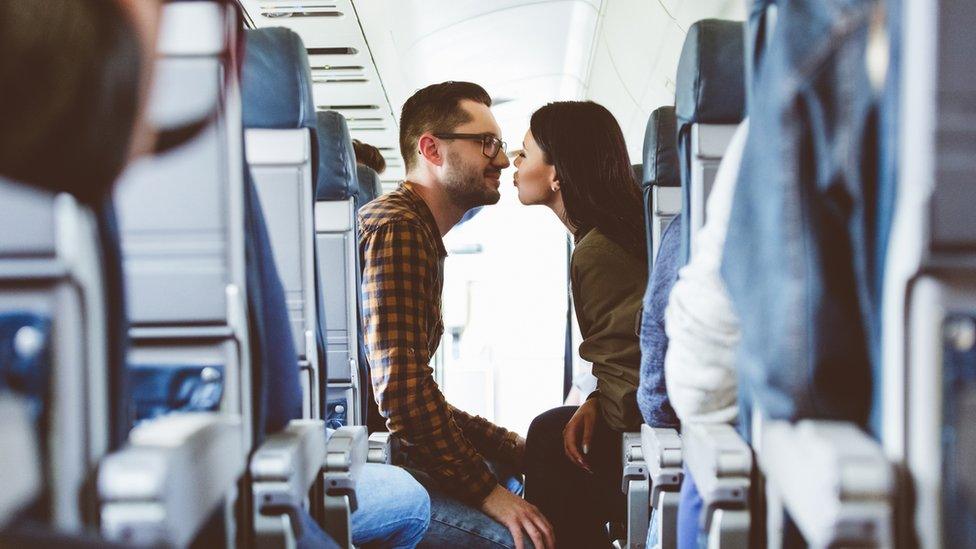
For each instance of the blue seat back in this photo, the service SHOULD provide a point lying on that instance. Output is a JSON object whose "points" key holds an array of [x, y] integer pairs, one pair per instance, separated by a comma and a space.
{"points": [[281, 148], [337, 257], [276, 369], [338, 177], [709, 104], [276, 81], [276, 89], [369, 185]]}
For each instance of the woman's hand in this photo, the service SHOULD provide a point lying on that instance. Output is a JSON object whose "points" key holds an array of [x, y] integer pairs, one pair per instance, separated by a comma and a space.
{"points": [[578, 433]]}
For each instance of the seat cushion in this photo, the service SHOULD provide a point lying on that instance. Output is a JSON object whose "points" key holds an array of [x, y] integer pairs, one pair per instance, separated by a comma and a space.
{"points": [[337, 177], [276, 81], [710, 86], [661, 150]]}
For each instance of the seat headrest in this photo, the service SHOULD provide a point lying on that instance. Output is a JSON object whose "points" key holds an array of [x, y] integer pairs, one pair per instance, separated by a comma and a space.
{"points": [[337, 178], [661, 150], [710, 86], [369, 185], [276, 82]]}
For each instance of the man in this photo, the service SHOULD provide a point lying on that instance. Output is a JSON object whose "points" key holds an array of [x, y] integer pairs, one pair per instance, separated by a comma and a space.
{"points": [[454, 156]]}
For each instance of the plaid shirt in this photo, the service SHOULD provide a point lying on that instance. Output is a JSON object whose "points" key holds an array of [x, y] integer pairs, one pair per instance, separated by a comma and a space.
{"points": [[402, 253]]}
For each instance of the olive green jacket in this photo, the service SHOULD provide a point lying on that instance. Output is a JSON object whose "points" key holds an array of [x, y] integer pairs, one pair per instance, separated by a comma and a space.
{"points": [[608, 288]]}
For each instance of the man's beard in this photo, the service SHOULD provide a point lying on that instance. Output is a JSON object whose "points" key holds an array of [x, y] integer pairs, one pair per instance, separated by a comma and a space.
{"points": [[465, 185]]}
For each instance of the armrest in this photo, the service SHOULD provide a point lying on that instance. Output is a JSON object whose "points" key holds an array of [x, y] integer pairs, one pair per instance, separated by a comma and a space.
{"points": [[283, 471], [635, 487], [662, 454], [170, 478], [380, 448], [720, 462], [345, 456], [833, 479], [20, 470]]}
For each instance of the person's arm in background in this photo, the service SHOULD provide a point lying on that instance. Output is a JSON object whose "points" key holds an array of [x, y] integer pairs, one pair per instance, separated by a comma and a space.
{"points": [[702, 327], [652, 394]]}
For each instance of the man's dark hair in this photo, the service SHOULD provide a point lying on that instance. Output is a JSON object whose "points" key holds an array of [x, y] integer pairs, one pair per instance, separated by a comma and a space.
{"points": [[369, 156], [436, 108], [69, 100]]}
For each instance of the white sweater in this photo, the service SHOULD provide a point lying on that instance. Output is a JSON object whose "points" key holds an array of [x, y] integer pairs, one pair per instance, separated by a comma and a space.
{"points": [[703, 329]]}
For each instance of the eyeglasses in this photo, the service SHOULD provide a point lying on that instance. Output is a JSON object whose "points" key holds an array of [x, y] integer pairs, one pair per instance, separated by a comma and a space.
{"points": [[490, 145]]}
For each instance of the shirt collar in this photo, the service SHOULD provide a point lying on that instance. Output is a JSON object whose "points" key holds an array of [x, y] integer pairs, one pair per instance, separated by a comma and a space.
{"points": [[426, 215]]}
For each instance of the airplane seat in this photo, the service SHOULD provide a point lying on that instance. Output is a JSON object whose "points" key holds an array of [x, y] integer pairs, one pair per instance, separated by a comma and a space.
{"points": [[337, 256], [369, 185], [652, 457], [296, 456], [180, 216], [53, 348], [661, 178], [181, 223], [709, 104], [281, 148]]}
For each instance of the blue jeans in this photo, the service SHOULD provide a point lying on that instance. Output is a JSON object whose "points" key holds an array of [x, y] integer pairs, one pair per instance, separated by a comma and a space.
{"points": [[394, 509], [799, 257], [456, 524], [689, 513]]}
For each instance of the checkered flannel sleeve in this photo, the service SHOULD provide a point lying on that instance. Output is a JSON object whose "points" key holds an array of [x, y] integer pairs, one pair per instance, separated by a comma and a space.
{"points": [[399, 279]]}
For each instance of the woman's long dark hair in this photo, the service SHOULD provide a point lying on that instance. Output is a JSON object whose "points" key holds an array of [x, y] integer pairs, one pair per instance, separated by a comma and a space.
{"points": [[70, 94], [584, 143]]}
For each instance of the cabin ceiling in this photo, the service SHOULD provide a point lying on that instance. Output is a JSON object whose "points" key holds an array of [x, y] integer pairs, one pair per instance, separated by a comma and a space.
{"points": [[621, 53]]}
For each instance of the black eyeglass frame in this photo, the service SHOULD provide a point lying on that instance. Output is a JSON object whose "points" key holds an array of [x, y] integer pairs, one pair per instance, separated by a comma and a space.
{"points": [[488, 141]]}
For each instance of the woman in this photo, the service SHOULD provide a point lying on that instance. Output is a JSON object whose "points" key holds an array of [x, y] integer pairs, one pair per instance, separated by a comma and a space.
{"points": [[574, 161]]}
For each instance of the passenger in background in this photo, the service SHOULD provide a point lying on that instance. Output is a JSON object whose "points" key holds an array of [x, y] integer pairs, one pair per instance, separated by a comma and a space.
{"points": [[369, 165], [574, 161], [652, 394], [75, 83], [454, 155], [369, 156], [703, 332]]}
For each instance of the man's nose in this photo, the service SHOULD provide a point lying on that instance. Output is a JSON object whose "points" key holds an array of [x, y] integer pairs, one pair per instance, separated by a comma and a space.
{"points": [[501, 160]]}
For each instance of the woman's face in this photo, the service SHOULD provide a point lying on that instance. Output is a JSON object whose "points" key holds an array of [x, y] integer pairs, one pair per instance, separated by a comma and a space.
{"points": [[535, 178]]}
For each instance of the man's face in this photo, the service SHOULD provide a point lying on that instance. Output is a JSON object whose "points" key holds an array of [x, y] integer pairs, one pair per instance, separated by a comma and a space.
{"points": [[471, 179]]}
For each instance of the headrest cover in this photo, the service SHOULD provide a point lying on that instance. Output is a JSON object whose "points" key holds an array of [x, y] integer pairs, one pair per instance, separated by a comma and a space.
{"points": [[369, 185], [710, 87], [661, 150], [276, 82], [337, 179]]}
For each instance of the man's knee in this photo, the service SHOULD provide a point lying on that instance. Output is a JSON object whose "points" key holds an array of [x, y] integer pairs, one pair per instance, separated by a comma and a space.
{"points": [[394, 508]]}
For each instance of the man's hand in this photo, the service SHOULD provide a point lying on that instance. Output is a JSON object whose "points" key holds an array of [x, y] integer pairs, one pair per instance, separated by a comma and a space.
{"points": [[519, 516], [578, 433]]}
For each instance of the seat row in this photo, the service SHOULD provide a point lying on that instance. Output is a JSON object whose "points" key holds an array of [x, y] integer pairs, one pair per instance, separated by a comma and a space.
{"points": [[167, 369], [762, 477]]}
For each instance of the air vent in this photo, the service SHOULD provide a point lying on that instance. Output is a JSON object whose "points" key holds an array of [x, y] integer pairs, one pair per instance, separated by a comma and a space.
{"points": [[275, 10], [330, 74], [348, 107], [367, 127], [332, 51]]}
